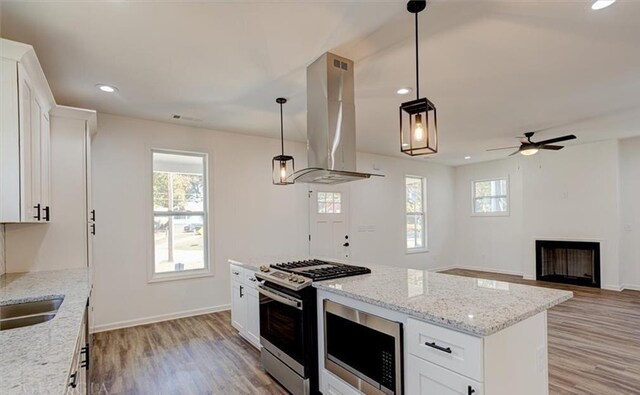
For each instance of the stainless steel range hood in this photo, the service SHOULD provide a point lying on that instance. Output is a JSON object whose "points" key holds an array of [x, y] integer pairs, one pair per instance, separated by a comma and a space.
{"points": [[331, 123]]}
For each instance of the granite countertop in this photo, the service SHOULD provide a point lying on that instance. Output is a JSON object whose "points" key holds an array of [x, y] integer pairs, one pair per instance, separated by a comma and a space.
{"points": [[254, 263], [36, 359], [475, 306]]}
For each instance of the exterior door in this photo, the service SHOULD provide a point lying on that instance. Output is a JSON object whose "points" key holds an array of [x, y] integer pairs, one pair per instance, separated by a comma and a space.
{"points": [[329, 221]]}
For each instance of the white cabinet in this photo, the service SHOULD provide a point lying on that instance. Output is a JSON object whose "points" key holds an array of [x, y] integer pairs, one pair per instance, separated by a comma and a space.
{"points": [[425, 378], [78, 382], [25, 102], [245, 304]]}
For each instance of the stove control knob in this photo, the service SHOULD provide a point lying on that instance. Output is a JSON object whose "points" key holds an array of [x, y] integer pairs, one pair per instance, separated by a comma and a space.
{"points": [[264, 268], [301, 280]]}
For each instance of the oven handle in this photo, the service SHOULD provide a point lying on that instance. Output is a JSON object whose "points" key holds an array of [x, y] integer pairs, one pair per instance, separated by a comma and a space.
{"points": [[280, 298]]}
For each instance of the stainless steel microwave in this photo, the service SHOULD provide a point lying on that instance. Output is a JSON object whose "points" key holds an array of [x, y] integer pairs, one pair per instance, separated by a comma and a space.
{"points": [[363, 349]]}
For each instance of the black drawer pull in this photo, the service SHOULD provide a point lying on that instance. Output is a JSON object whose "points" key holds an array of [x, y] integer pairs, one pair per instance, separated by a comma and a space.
{"points": [[93, 229], [37, 207], [93, 215], [437, 347], [47, 210], [471, 391], [85, 351], [74, 380]]}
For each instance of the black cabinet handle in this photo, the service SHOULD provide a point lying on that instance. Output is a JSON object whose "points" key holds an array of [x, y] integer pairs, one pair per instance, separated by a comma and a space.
{"points": [[93, 229], [85, 351], [346, 244], [74, 380], [47, 211], [471, 391], [437, 347], [241, 289], [37, 207], [93, 215]]}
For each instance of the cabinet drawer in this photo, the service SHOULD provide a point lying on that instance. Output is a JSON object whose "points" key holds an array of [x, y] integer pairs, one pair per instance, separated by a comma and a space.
{"points": [[250, 278], [425, 378], [332, 385], [453, 350], [237, 273]]}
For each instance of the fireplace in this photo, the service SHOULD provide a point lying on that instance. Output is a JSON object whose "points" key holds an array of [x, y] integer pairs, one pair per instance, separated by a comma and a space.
{"points": [[569, 262]]}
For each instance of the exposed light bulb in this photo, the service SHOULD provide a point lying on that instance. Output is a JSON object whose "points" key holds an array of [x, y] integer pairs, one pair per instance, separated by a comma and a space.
{"points": [[600, 4], [283, 172], [529, 151], [418, 131]]}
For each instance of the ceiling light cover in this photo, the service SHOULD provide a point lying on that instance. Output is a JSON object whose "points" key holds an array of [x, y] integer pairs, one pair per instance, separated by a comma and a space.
{"points": [[467, 157], [529, 151], [600, 4], [107, 88], [418, 118], [282, 166], [403, 91]]}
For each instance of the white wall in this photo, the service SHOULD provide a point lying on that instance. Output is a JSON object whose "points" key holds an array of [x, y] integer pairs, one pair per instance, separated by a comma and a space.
{"points": [[249, 216], [377, 219], [571, 194], [489, 243], [2, 250], [630, 213]]}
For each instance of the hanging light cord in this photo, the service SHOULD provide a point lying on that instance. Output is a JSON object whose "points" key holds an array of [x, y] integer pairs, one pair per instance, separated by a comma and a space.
{"points": [[281, 131], [417, 60]]}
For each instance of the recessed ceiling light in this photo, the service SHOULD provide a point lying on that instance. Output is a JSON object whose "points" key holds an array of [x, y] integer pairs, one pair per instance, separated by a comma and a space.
{"points": [[467, 157], [600, 4], [405, 144], [403, 91], [107, 88]]}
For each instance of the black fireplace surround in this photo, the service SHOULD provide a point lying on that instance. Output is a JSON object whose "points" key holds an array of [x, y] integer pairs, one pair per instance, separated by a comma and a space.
{"points": [[568, 262]]}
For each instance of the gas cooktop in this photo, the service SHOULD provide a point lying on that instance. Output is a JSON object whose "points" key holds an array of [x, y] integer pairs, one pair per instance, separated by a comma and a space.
{"points": [[318, 270]]}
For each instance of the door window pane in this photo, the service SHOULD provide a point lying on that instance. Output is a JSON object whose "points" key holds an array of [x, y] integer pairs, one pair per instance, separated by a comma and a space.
{"points": [[329, 202]]}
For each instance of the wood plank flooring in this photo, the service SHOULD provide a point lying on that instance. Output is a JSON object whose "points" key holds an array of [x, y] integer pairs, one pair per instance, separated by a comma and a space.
{"points": [[594, 349]]}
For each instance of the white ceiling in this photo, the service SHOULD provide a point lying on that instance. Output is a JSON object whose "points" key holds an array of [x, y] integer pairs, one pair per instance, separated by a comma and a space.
{"points": [[493, 69]]}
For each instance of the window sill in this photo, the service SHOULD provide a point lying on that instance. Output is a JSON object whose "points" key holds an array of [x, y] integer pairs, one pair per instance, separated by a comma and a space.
{"points": [[416, 251], [162, 277], [507, 214]]}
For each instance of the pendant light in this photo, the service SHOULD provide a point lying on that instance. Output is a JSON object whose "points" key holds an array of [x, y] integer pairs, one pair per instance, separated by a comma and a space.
{"points": [[418, 120], [282, 166]]}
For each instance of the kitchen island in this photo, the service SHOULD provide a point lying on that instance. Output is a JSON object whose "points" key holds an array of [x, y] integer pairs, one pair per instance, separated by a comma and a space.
{"points": [[460, 335]]}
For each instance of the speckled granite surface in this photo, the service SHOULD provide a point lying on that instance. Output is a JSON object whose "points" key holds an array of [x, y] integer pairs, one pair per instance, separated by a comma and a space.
{"points": [[475, 306], [255, 262], [36, 359]]}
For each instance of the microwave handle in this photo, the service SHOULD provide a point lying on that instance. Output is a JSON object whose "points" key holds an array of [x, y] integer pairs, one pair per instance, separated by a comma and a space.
{"points": [[281, 299]]}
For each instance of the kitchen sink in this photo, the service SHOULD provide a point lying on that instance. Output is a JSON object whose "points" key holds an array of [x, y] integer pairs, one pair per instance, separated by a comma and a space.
{"points": [[29, 313]]}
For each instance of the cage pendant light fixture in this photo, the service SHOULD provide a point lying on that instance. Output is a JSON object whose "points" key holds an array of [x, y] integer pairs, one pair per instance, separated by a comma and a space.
{"points": [[418, 119], [282, 166]]}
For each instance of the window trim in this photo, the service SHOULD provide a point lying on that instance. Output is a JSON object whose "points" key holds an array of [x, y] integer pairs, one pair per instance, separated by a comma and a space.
{"points": [[491, 214], [425, 247], [152, 275]]}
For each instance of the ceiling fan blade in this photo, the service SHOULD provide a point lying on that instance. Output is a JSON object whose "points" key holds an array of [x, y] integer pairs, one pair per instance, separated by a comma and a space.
{"points": [[551, 147], [556, 140], [515, 153], [498, 149]]}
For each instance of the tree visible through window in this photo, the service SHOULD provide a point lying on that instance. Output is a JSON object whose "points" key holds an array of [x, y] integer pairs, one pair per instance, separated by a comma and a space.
{"points": [[415, 208], [491, 197], [179, 212]]}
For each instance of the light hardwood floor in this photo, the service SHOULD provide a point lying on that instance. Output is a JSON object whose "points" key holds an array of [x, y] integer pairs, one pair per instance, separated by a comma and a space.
{"points": [[594, 349]]}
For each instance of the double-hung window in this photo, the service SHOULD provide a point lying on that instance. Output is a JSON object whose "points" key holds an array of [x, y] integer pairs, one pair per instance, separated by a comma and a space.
{"points": [[491, 197], [180, 234], [415, 212]]}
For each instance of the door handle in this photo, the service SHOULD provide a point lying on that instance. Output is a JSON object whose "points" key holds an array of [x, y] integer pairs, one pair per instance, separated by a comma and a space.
{"points": [[241, 289], [85, 352], [93, 229], [37, 207], [93, 215], [471, 391], [346, 244], [74, 380], [439, 348]]}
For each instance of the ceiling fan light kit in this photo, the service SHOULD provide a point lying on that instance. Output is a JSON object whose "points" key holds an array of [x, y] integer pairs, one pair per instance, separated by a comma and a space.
{"points": [[528, 147], [282, 166], [418, 118]]}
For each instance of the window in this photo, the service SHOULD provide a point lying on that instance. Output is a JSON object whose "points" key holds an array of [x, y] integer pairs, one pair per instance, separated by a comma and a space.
{"points": [[179, 213], [491, 197], [329, 202], [415, 208]]}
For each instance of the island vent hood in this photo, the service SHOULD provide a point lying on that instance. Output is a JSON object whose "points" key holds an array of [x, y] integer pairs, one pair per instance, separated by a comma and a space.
{"points": [[331, 123]]}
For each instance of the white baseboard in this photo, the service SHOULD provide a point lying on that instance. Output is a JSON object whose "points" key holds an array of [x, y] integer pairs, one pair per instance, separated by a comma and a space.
{"points": [[528, 277], [159, 318], [611, 287], [631, 287]]}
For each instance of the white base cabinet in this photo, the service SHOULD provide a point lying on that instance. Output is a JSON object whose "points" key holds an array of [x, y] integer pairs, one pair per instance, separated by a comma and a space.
{"points": [[425, 378], [245, 304]]}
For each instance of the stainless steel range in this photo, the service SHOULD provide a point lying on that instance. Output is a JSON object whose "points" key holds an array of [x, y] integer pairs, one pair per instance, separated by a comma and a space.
{"points": [[288, 320]]}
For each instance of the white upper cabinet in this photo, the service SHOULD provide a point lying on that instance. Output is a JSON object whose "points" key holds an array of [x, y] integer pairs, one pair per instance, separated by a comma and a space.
{"points": [[25, 103]]}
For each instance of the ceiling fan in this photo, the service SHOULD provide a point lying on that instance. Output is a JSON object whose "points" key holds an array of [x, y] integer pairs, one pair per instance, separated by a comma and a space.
{"points": [[528, 147]]}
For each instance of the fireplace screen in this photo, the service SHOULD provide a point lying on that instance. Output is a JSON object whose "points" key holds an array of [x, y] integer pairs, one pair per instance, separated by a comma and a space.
{"points": [[570, 262]]}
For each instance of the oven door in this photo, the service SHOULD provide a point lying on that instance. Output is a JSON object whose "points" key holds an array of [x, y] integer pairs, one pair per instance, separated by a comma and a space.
{"points": [[281, 327]]}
